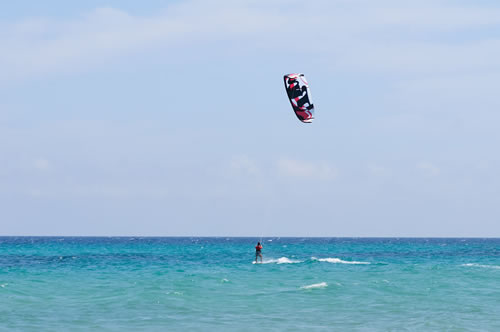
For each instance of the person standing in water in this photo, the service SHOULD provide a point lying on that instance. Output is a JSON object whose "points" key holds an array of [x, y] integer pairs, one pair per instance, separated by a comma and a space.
{"points": [[258, 252]]}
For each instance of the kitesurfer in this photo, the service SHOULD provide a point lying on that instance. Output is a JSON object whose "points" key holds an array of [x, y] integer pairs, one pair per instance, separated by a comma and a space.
{"points": [[258, 252]]}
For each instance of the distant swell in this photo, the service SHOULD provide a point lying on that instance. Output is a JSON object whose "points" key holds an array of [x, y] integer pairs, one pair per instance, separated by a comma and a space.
{"points": [[482, 265], [319, 285], [337, 261]]}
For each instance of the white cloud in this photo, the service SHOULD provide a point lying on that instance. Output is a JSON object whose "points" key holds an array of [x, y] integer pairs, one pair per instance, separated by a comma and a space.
{"points": [[244, 165], [41, 164], [356, 35], [306, 169], [43, 46], [98, 191], [420, 57], [378, 170], [36, 193], [428, 168], [477, 92]]}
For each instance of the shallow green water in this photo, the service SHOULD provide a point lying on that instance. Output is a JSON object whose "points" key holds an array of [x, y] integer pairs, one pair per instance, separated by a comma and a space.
{"points": [[117, 284]]}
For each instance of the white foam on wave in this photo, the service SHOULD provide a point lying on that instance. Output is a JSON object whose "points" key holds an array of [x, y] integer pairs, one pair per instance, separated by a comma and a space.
{"points": [[337, 261], [282, 260], [482, 265], [3, 285], [174, 293], [318, 285]]}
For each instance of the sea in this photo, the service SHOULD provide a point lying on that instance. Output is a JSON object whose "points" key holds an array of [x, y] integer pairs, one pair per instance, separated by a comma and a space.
{"points": [[213, 284]]}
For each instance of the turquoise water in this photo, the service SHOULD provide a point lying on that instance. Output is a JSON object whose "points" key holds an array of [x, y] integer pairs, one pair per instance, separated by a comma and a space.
{"points": [[343, 284]]}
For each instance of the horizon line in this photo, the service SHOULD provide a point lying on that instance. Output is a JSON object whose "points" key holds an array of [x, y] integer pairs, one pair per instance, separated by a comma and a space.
{"points": [[250, 236]]}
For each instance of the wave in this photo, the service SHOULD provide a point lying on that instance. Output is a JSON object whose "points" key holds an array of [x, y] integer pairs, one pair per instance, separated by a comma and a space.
{"points": [[286, 260], [282, 260], [174, 293], [337, 261], [319, 285], [482, 265]]}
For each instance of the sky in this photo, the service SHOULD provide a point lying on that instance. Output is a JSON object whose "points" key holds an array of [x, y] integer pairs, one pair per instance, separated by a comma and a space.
{"points": [[170, 118]]}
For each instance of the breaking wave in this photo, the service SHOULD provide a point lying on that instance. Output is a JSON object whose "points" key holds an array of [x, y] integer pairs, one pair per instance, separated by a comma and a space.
{"points": [[318, 285], [482, 265], [286, 260], [337, 260], [282, 260]]}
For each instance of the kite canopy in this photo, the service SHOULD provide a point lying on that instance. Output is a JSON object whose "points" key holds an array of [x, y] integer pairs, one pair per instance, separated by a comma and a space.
{"points": [[299, 94]]}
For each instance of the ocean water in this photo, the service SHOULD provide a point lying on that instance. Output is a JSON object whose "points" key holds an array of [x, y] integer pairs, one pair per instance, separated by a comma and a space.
{"points": [[205, 284]]}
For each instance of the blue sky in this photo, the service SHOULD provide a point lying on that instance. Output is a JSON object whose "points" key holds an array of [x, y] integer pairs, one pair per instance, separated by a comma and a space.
{"points": [[170, 118]]}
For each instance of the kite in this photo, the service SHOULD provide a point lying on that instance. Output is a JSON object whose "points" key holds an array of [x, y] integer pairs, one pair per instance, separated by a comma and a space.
{"points": [[299, 94]]}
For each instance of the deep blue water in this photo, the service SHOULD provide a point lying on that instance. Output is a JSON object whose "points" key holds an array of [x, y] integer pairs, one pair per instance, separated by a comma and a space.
{"points": [[344, 284]]}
